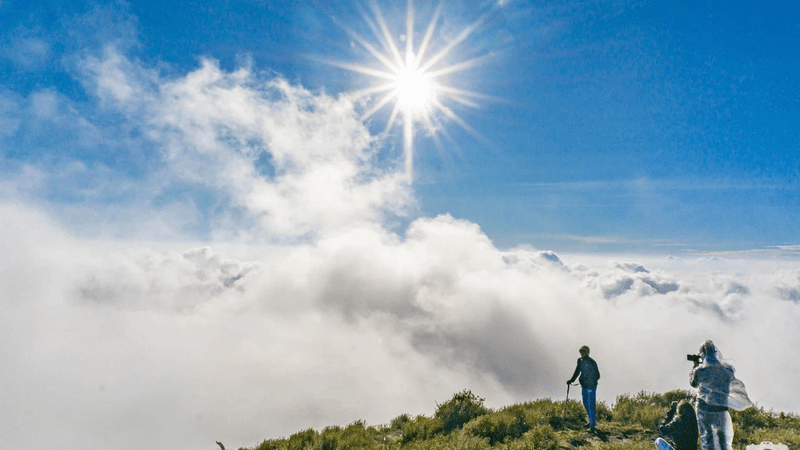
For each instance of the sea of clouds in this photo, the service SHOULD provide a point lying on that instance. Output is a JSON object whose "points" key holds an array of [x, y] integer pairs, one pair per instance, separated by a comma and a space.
{"points": [[312, 303]]}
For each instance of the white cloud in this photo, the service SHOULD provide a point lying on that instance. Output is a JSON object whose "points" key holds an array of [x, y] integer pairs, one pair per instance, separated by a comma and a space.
{"points": [[26, 51], [199, 345], [9, 122], [213, 125]]}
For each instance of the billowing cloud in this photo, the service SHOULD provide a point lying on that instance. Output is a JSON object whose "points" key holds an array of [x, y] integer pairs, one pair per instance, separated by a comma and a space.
{"points": [[226, 129], [107, 340]]}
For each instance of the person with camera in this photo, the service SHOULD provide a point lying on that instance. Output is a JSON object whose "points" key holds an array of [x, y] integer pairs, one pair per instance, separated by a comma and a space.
{"points": [[679, 428], [717, 390], [589, 374]]}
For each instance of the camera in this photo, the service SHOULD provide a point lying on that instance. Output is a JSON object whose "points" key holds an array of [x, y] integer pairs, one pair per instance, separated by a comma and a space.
{"points": [[693, 358]]}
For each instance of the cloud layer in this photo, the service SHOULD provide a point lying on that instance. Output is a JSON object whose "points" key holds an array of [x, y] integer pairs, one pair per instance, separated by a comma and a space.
{"points": [[113, 344], [309, 306]]}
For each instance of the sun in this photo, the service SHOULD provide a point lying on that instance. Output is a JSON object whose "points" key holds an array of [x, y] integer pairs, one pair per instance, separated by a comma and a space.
{"points": [[415, 90], [409, 81]]}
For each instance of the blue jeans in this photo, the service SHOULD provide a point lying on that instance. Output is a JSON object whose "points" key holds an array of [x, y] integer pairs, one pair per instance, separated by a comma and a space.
{"points": [[589, 399]]}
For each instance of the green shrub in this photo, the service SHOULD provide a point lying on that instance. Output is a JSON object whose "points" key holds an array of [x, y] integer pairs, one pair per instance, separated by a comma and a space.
{"points": [[500, 426], [399, 422], [644, 409], [751, 418], [540, 411], [420, 428], [329, 438], [358, 435], [272, 444], [303, 440], [625, 445], [538, 425], [675, 396], [755, 425], [463, 407], [557, 415], [453, 441], [604, 414], [355, 436], [540, 437], [570, 438], [661, 400], [787, 436]]}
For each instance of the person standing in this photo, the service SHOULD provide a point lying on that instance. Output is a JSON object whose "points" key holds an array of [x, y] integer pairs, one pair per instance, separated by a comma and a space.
{"points": [[587, 374], [717, 390]]}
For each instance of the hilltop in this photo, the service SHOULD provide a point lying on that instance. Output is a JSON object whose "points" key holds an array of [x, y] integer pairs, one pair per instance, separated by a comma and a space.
{"points": [[464, 423]]}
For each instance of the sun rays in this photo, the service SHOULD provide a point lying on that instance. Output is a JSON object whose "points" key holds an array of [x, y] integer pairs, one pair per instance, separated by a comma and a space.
{"points": [[407, 81]]}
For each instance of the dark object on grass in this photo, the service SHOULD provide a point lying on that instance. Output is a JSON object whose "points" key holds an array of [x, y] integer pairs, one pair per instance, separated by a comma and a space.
{"points": [[679, 427], [220, 445], [603, 436]]}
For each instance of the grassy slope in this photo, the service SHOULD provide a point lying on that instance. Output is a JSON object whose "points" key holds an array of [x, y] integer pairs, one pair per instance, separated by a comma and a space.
{"points": [[463, 423]]}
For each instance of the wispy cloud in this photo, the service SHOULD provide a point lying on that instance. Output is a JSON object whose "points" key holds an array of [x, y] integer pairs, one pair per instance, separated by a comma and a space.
{"points": [[579, 238], [609, 242], [772, 252], [26, 52], [788, 248], [663, 185]]}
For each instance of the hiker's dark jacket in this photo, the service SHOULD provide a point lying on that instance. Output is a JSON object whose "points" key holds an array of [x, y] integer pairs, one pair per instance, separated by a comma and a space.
{"points": [[589, 373], [681, 429]]}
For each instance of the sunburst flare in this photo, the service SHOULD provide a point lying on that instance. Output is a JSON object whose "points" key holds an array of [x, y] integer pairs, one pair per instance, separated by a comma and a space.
{"points": [[409, 81]]}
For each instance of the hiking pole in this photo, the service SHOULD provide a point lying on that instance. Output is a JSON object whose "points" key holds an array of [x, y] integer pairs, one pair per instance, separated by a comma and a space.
{"points": [[564, 415]]}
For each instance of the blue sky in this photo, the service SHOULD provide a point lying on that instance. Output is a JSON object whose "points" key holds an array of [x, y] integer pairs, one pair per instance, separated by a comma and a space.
{"points": [[613, 126], [192, 191]]}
